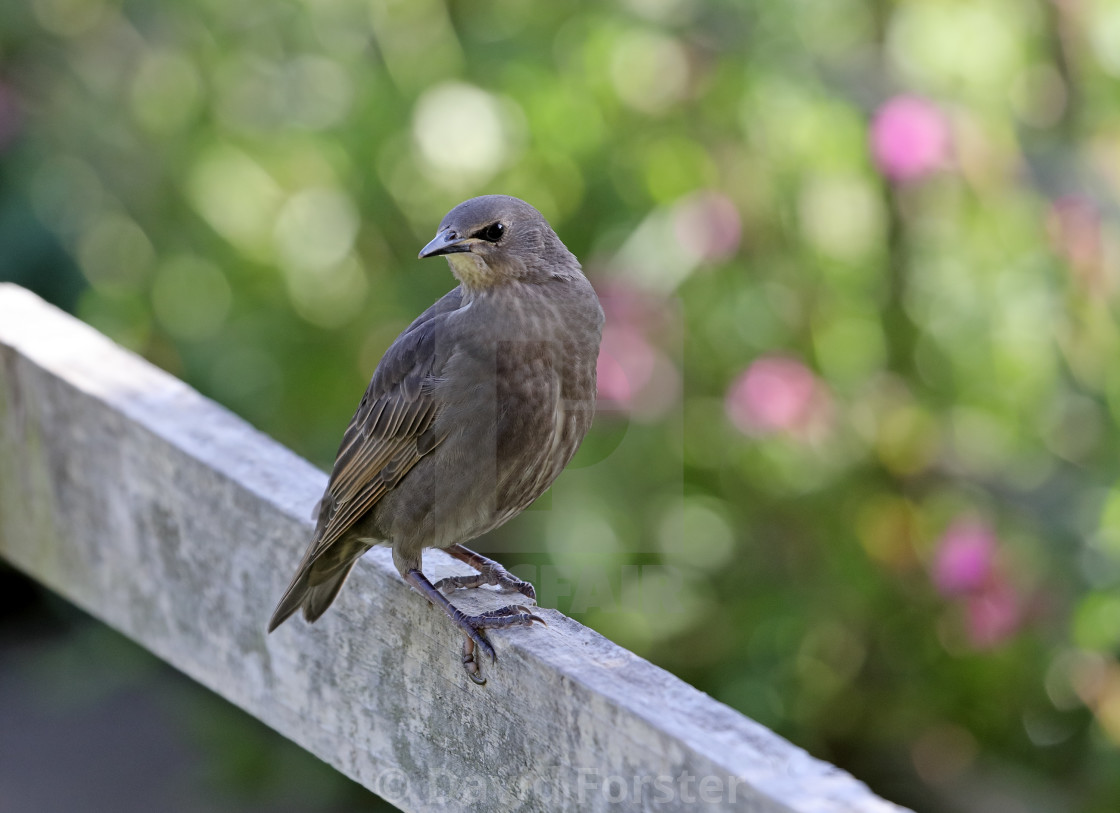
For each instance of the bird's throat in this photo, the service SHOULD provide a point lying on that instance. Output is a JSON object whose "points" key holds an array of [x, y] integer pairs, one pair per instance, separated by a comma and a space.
{"points": [[472, 271]]}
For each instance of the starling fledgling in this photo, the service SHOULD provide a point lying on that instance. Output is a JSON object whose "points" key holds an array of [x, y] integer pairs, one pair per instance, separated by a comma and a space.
{"points": [[471, 414]]}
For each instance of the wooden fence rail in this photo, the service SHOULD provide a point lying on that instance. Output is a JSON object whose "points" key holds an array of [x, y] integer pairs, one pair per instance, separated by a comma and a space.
{"points": [[175, 522]]}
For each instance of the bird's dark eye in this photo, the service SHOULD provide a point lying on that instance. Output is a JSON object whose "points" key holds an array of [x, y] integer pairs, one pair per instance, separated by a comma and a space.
{"points": [[492, 233]]}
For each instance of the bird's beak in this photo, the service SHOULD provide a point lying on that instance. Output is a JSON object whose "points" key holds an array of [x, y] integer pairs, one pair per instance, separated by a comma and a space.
{"points": [[446, 242]]}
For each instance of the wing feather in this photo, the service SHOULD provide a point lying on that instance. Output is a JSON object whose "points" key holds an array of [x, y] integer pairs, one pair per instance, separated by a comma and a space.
{"points": [[390, 432]]}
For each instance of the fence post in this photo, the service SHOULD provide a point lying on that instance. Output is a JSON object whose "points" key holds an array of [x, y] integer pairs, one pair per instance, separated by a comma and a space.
{"points": [[174, 521]]}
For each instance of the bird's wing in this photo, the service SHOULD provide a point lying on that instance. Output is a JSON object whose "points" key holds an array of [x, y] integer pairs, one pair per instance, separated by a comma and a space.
{"points": [[391, 430]]}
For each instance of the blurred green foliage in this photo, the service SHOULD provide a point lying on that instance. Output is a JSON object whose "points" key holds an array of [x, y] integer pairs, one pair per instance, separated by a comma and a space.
{"points": [[856, 472]]}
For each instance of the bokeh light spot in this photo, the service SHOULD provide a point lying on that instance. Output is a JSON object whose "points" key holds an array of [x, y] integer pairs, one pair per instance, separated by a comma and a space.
{"points": [[330, 296], [584, 535], [166, 91], [1096, 623], [649, 70], [777, 394], [909, 138], [315, 228], [695, 534], [965, 558], [972, 47], [68, 18], [114, 252], [1103, 31], [841, 216], [464, 134], [305, 92], [191, 298], [237, 197], [707, 225], [849, 348]]}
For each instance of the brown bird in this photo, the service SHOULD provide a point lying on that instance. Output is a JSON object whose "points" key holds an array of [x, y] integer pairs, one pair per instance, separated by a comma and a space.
{"points": [[472, 413]]}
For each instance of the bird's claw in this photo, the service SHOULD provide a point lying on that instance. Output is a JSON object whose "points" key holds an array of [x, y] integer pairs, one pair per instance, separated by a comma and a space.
{"points": [[511, 616], [525, 589], [505, 581], [469, 662], [475, 640]]}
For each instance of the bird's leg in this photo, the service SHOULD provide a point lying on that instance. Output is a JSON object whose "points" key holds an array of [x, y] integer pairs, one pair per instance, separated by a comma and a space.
{"points": [[473, 625], [489, 572]]}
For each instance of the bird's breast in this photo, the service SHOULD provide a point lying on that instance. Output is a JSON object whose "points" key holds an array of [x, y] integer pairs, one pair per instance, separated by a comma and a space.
{"points": [[520, 394]]}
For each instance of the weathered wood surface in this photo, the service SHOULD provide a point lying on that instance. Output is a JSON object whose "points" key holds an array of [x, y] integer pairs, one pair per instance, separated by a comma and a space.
{"points": [[175, 522]]}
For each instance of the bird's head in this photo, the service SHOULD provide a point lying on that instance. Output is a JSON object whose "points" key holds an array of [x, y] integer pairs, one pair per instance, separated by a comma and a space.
{"points": [[496, 238]]}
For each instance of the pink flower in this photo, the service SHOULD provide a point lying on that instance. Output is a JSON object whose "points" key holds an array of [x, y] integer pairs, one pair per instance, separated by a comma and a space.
{"points": [[1074, 225], [965, 558], [994, 615], [967, 567], [776, 394], [707, 225], [909, 138], [626, 362], [635, 375]]}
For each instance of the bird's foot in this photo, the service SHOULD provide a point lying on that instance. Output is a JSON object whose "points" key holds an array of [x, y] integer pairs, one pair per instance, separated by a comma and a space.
{"points": [[472, 626], [490, 573], [475, 639]]}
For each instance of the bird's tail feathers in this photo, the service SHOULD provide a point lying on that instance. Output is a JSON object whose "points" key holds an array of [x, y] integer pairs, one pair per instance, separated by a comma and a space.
{"points": [[320, 597], [291, 601], [314, 588]]}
